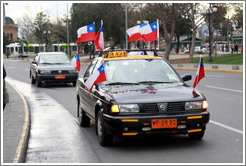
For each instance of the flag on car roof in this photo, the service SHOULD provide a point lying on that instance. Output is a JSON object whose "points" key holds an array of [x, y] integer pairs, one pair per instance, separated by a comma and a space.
{"points": [[200, 73], [99, 41], [76, 62], [86, 33], [134, 33], [97, 77], [150, 32]]}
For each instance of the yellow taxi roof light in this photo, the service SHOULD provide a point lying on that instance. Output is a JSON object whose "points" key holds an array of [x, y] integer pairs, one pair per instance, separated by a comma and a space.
{"points": [[115, 54]]}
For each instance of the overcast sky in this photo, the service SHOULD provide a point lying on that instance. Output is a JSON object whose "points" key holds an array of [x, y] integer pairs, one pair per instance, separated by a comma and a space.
{"points": [[17, 9]]}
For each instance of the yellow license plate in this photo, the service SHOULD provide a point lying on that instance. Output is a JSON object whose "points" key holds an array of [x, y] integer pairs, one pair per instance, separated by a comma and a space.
{"points": [[163, 123], [60, 77]]}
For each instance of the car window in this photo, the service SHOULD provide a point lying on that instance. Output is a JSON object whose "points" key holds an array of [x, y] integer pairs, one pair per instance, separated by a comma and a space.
{"points": [[139, 70], [151, 53], [90, 68], [54, 59]]}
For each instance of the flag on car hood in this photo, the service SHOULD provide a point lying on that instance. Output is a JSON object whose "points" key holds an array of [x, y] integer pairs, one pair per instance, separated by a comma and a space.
{"points": [[99, 41], [150, 32], [134, 33], [86, 33], [76, 62], [200, 73], [97, 77]]}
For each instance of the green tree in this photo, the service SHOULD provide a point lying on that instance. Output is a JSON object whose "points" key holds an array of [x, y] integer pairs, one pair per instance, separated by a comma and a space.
{"points": [[41, 24], [112, 15], [238, 15]]}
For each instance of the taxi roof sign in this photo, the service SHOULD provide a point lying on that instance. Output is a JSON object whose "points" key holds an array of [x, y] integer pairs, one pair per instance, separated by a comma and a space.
{"points": [[115, 54]]}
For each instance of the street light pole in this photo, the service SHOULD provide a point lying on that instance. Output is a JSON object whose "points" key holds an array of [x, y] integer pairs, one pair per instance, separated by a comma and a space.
{"points": [[209, 38], [126, 25]]}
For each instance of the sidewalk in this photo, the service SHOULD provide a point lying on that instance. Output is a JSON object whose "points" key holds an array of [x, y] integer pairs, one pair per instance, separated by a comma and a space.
{"points": [[15, 127]]}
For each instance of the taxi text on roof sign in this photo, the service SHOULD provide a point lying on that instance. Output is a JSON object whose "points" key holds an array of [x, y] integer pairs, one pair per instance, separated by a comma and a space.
{"points": [[115, 54]]}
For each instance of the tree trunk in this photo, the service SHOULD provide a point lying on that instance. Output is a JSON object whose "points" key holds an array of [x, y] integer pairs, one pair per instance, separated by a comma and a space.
{"points": [[193, 42], [178, 43], [168, 49]]}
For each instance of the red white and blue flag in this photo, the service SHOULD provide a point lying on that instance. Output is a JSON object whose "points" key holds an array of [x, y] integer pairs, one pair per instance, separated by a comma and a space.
{"points": [[76, 62], [97, 77], [99, 41], [150, 32], [134, 33], [86, 33], [200, 73]]}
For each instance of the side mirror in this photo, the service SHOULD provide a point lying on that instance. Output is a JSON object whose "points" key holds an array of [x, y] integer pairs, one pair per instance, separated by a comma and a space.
{"points": [[186, 77]]}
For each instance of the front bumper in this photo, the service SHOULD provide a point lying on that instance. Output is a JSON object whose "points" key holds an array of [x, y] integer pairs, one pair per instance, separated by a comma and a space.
{"points": [[52, 78], [137, 125]]}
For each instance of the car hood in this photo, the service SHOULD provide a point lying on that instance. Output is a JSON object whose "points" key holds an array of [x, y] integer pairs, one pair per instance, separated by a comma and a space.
{"points": [[153, 93], [56, 67]]}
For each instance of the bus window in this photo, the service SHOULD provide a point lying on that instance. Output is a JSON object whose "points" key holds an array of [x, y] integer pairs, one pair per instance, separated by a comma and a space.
{"points": [[31, 49], [25, 49]]}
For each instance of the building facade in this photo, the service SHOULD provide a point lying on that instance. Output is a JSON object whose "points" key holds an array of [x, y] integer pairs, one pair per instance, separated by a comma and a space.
{"points": [[10, 29]]}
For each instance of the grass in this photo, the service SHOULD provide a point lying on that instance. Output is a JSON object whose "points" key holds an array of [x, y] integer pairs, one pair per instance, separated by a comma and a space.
{"points": [[228, 59]]}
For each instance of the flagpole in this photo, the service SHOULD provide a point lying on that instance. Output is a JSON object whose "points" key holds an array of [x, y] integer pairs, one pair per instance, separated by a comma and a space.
{"points": [[158, 35], [126, 25]]}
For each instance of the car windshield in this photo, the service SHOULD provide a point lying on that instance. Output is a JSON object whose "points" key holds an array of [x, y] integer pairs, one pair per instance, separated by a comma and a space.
{"points": [[139, 71], [54, 59]]}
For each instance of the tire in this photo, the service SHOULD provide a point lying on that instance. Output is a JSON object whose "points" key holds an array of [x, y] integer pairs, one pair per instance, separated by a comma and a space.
{"points": [[84, 120], [104, 138], [74, 83], [33, 80], [197, 135], [38, 82]]}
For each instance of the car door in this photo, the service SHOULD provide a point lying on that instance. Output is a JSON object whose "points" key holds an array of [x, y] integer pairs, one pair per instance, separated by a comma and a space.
{"points": [[84, 91], [92, 98]]}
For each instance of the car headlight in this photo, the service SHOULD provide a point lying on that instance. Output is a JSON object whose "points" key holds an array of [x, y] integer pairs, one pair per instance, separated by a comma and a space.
{"points": [[196, 105], [73, 71], [125, 108], [45, 72]]}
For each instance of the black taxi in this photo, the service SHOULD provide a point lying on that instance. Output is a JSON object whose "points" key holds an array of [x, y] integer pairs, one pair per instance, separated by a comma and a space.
{"points": [[143, 94]]}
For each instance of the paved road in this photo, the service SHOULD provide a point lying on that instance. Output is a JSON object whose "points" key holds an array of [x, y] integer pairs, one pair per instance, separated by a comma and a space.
{"points": [[222, 143]]}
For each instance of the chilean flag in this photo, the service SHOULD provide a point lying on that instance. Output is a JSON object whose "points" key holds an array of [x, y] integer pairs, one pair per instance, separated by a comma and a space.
{"points": [[134, 33], [76, 62], [97, 77], [150, 32], [200, 73], [99, 41], [86, 33]]}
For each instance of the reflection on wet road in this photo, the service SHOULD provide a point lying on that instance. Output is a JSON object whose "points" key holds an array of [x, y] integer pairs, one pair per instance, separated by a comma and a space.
{"points": [[55, 135]]}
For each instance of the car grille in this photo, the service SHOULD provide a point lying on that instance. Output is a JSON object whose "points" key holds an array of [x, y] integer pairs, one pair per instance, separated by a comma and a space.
{"points": [[172, 107], [149, 107], [57, 72], [153, 107]]}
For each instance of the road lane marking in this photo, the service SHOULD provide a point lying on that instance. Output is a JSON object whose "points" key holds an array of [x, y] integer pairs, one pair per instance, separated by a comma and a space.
{"points": [[226, 127], [215, 76], [232, 90]]}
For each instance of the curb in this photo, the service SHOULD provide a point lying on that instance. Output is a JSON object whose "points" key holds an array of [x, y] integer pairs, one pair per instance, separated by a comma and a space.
{"points": [[212, 70], [20, 154]]}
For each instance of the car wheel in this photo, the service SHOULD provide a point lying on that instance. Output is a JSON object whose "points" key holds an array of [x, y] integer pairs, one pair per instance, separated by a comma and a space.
{"points": [[84, 120], [38, 82], [104, 138], [74, 83], [33, 80], [196, 136]]}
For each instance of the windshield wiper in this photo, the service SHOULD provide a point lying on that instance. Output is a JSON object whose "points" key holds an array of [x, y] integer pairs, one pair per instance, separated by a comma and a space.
{"points": [[123, 83], [154, 82]]}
